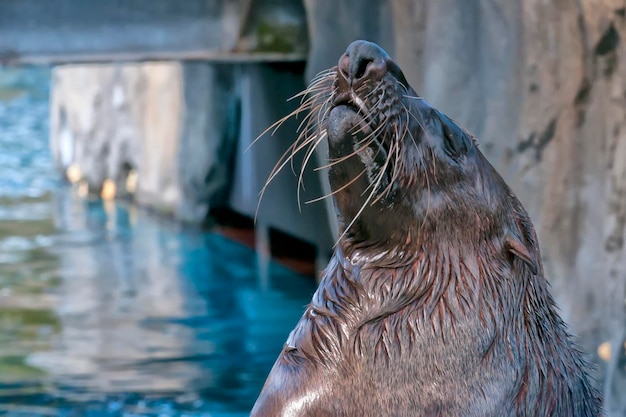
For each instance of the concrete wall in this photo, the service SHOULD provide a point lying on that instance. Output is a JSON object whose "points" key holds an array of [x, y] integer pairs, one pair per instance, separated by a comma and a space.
{"points": [[72, 31], [158, 131], [36, 29]]}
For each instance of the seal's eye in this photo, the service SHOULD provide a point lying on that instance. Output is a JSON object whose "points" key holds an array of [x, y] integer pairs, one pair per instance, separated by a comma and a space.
{"points": [[455, 141]]}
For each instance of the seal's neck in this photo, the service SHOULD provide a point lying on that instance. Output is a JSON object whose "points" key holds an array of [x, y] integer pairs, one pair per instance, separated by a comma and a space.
{"points": [[388, 281]]}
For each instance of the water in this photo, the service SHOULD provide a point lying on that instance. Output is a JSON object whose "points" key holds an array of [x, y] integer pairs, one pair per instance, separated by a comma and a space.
{"points": [[108, 311]]}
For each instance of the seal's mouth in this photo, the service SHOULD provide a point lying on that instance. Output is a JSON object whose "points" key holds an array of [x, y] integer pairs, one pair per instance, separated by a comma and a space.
{"points": [[366, 131], [349, 123], [352, 100], [366, 94]]}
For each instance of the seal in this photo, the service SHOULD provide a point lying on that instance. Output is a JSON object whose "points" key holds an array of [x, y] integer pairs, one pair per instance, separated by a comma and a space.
{"points": [[434, 302]]}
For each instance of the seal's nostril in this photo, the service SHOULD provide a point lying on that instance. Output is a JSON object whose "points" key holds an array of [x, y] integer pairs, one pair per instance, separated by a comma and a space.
{"points": [[361, 67], [363, 61]]}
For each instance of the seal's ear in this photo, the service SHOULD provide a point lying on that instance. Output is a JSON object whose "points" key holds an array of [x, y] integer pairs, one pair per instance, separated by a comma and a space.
{"points": [[514, 245], [456, 141]]}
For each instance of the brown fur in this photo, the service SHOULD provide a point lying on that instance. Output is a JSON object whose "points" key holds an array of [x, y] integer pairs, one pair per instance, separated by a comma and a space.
{"points": [[434, 303]]}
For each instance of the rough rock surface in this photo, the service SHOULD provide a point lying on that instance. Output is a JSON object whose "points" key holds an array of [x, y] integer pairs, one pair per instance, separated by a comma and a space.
{"points": [[156, 119], [543, 86], [207, 140]]}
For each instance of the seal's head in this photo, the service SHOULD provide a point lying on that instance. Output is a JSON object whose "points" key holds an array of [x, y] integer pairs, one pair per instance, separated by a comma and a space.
{"points": [[401, 171]]}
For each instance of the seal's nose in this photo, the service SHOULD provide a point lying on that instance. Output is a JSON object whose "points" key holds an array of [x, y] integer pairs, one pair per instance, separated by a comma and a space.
{"points": [[363, 61]]}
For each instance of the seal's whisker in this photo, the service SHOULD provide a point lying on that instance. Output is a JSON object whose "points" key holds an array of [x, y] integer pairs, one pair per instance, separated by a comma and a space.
{"points": [[365, 204], [276, 125], [324, 74], [273, 127], [321, 115], [282, 162], [362, 127], [319, 82], [305, 127], [425, 132], [387, 189], [293, 147], [369, 116], [401, 84], [374, 185], [310, 90], [312, 101], [313, 107], [434, 166], [410, 115], [285, 159], [309, 124], [355, 130], [307, 156], [323, 84], [363, 143], [396, 170], [373, 92], [309, 99], [338, 190], [313, 94], [427, 178], [307, 105], [432, 152], [395, 149], [346, 157]]}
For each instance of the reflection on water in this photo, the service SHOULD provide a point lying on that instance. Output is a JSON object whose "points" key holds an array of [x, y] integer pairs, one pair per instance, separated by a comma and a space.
{"points": [[107, 311], [118, 307]]}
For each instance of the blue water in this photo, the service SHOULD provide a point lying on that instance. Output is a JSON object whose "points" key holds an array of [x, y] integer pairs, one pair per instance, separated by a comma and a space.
{"points": [[108, 311]]}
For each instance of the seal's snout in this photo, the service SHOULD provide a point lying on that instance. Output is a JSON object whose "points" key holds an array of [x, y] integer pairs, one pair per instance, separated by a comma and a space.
{"points": [[363, 61]]}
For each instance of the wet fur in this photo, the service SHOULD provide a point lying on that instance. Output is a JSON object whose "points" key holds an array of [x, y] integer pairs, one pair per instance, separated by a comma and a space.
{"points": [[434, 302]]}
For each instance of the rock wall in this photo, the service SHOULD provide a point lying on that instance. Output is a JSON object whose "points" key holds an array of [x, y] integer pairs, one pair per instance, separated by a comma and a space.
{"points": [[160, 131], [543, 86], [107, 120]]}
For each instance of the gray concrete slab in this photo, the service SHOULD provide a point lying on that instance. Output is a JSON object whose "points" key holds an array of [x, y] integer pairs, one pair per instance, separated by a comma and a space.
{"points": [[71, 31]]}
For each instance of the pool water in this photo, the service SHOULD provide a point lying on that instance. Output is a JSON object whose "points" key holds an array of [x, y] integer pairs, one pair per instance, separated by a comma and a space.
{"points": [[106, 310]]}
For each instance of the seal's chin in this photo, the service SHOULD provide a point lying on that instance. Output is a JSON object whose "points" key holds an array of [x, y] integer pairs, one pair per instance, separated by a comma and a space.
{"points": [[350, 133], [344, 123]]}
